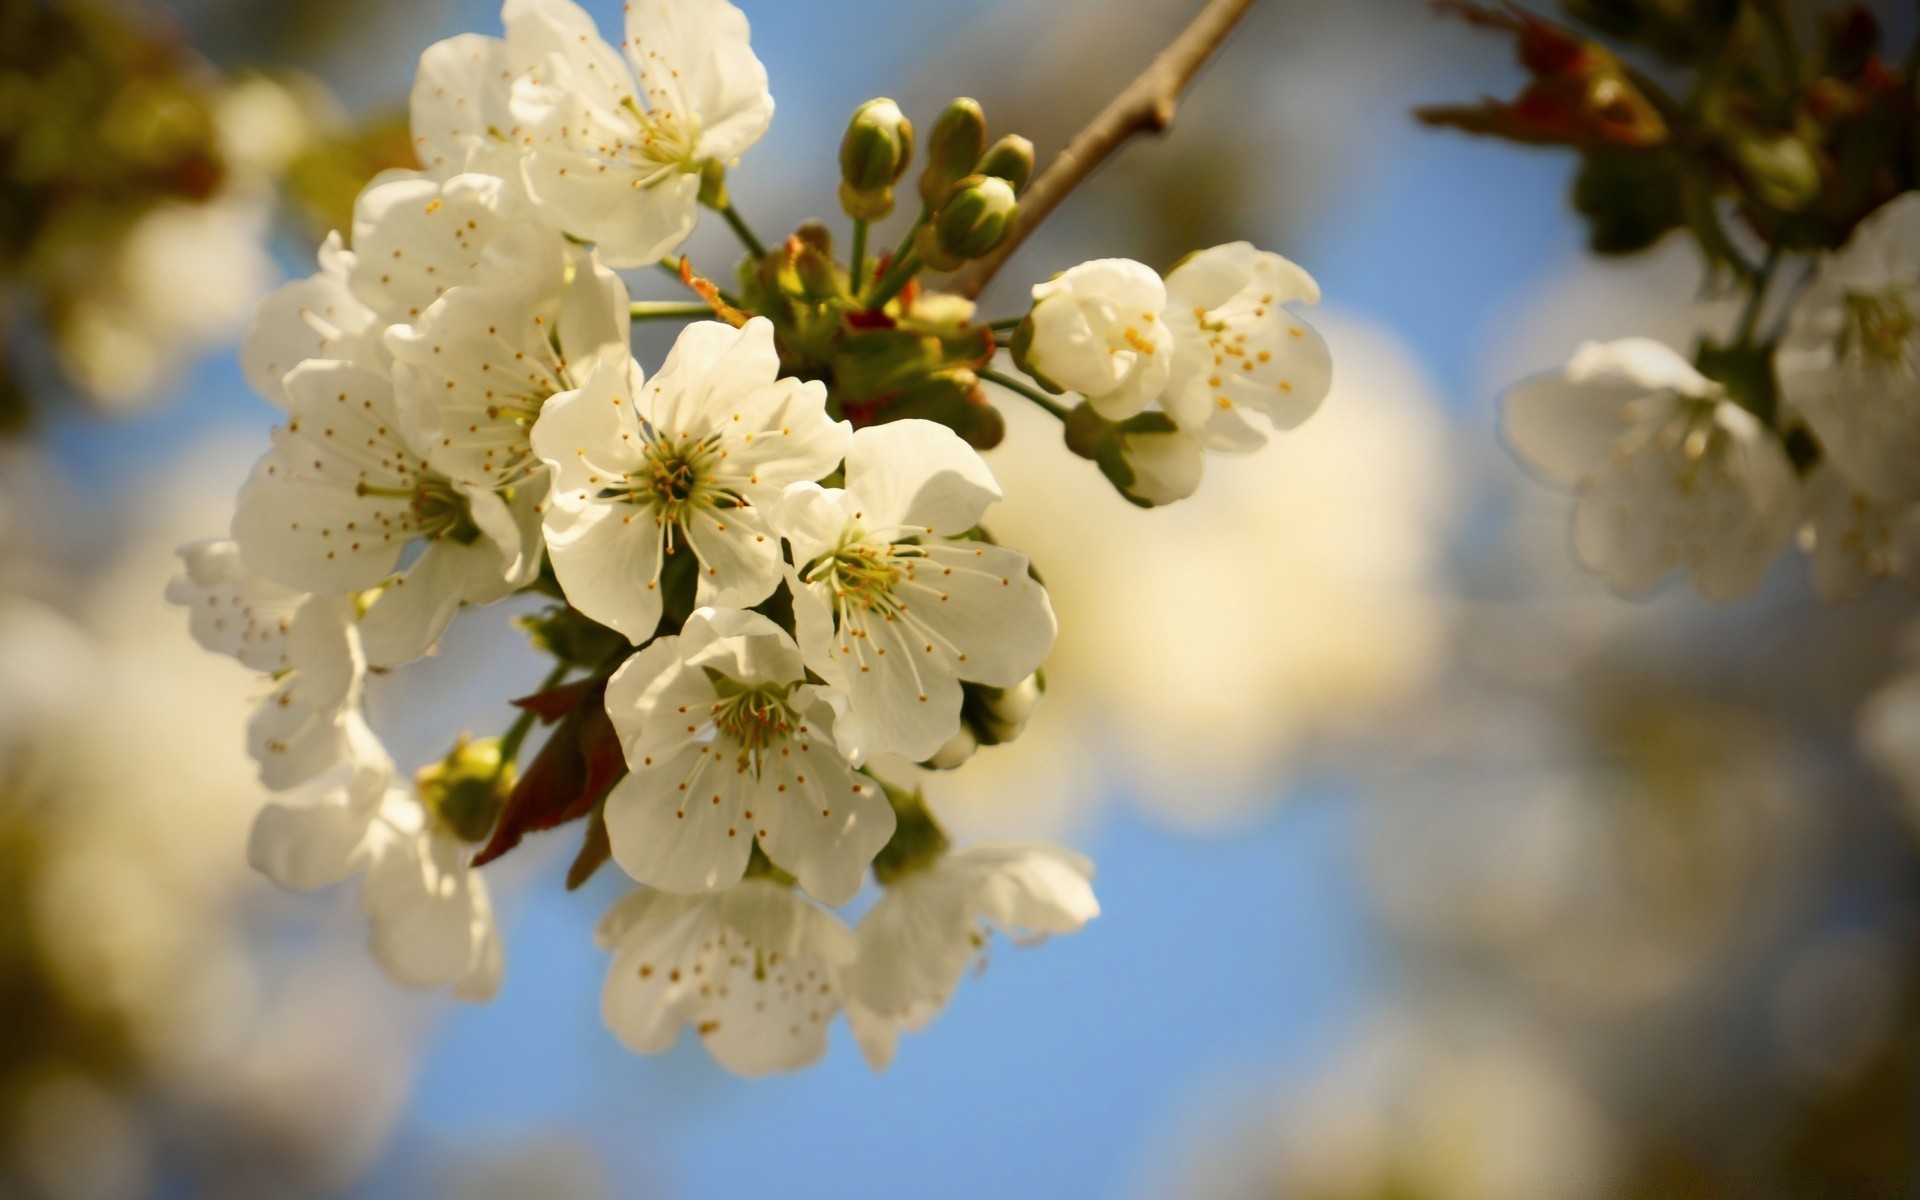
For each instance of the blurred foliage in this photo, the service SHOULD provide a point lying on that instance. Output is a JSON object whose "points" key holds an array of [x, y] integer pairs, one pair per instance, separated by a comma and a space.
{"points": [[1727, 107], [113, 131], [321, 184]]}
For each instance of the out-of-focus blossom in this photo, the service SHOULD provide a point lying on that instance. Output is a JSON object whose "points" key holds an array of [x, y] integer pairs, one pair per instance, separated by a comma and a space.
{"points": [[1850, 360], [1670, 473], [916, 942], [1419, 1111]]}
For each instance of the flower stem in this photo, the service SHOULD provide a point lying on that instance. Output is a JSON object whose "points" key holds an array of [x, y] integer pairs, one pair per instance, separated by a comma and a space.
{"points": [[899, 274], [666, 310], [740, 230], [857, 266], [523, 724], [1756, 299], [1005, 325], [1034, 394]]}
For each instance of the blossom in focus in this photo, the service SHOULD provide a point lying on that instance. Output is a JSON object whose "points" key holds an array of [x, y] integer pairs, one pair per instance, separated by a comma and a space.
{"points": [[616, 145], [1237, 347], [752, 969], [894, 607], [1850, 360], [1099, 329], [338, 501], [314, 317], [472, 372], [691, 463], [728, 746], [1669, 472], [914, 944]]}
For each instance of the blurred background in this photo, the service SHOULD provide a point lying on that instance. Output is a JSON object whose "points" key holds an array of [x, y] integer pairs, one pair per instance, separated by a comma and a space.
{"points": [[1429, 868]]}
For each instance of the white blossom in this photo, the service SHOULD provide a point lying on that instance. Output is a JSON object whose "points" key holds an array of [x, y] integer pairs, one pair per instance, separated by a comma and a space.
{"points": [[472, 372], [753, 969], [461, 110], [1853, 539], [310, 722], [315, 317], [616, 145], [1099, 329], [1669, 472], [913, 946], [1850, 360], [1238, 347], [893, 606], [728, 745], [431, 921], [691, 462], [341, 498], [415, 237]]}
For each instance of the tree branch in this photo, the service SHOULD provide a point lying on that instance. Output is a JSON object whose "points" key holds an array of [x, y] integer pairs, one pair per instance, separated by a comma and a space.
{"points": [[1145, 106]]}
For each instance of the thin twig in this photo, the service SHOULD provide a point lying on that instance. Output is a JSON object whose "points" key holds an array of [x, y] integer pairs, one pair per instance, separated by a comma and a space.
{"points": [[1145, 106]]}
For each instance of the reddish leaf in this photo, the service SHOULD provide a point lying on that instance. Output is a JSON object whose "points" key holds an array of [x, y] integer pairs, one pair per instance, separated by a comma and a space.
{"points": [[555, 703], [572, 771]]}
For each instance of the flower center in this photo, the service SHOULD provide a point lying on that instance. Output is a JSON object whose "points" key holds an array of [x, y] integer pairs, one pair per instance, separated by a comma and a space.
{"points": [[663, 139], [860, 575], [439, 510], [676, 480], [1880, 326], [757, 717]]}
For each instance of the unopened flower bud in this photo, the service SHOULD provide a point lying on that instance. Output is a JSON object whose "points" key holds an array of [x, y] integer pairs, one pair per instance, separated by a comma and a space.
{"points": [[1782, 169], [972, 220], [873, 156], [466, 790], [1011, 159], [953, 151], [814, 275]]}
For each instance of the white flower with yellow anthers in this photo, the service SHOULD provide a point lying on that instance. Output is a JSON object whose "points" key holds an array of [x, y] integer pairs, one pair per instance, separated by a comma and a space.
{"points": [[1850, 360], [913, 946], [616, 147], [341, 498], [315, 317], [894, 608], [431, 920], [728, 745], [752, 969], [688, 463], [1670, 473], [473, 371], [415, 237], [1099, 329], [1237, 347], [310, 722], [461, 110], [1853, 539]]}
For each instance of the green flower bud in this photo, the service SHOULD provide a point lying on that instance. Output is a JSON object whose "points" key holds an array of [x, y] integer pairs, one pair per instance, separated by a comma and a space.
{"points": [[959, 139], [1011, 159], [972, 220], [465, 791], [873, 156], [1783, 170]]}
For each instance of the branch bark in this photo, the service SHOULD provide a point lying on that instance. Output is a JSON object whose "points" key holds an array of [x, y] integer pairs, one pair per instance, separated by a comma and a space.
{"points": [[1145, 106]]}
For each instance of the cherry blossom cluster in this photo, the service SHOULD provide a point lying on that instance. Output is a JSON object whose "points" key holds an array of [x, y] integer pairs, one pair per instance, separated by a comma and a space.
{"points": [[1786, 170], [769, 592], [1673, 472]]}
